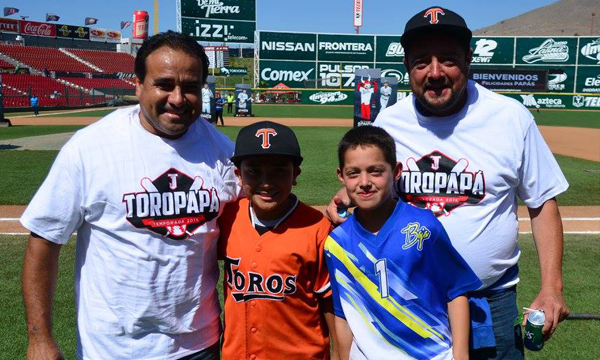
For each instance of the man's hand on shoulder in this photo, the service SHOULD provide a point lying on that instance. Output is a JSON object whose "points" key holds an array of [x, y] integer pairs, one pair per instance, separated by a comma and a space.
{"points": [[555, 308], [44, 350], [340, 202]]}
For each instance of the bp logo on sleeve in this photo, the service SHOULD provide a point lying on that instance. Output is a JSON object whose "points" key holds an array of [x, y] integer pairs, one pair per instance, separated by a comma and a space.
{"points": [[173, 205]]}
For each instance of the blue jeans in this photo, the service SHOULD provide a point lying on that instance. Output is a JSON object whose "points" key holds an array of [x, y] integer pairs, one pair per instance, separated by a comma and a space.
{"points": [[509, 339], [210, 353]]}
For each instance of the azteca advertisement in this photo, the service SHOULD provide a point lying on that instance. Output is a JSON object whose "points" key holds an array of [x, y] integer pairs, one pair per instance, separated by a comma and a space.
{"points": [[358, 48], [338, 74], [557, 101], [295, 74]]}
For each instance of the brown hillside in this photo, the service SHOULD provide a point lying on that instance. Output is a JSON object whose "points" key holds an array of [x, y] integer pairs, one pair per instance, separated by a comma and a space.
{"points": [[565, 17]]}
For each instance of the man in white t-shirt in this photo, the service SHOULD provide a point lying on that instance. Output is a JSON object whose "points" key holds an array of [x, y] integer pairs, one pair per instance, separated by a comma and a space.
{"points": [[467, 153], [142, 188]]}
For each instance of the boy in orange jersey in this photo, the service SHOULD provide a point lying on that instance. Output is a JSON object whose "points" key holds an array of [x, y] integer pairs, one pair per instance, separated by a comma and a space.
{"points": [[276, 284]]}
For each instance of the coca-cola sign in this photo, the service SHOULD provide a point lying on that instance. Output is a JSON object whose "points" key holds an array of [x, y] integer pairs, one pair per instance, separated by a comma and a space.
{"points": [[38, 28], [9, 25]]}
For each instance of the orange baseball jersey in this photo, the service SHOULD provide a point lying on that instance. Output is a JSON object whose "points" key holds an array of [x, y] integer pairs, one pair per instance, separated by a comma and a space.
{"points": [[272, 285]]}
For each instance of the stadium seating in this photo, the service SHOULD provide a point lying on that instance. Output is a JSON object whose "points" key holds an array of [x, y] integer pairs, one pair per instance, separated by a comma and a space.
{"points": [[42, 57], [5, 64], [98, 83], [110, 62]]}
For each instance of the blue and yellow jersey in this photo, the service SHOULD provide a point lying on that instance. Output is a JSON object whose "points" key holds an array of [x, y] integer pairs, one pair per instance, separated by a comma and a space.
{"points": [[393, 288]]}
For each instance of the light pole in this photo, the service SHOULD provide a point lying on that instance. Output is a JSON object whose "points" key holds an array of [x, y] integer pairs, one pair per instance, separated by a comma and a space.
{"points": [[592, 24]]}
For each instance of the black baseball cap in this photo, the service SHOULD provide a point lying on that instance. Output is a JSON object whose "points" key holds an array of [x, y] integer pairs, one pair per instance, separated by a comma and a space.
{"points": [[266, 138], [436, 19]]}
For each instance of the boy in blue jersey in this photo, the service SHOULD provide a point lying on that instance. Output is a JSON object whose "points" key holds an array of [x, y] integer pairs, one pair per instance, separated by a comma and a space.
{"points": [[398, 284]]}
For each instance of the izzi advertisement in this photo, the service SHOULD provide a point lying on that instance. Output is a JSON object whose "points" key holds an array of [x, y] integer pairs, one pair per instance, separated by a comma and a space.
{"points": [[293, 74], [511, 80], [229, 21], [286, 46]]}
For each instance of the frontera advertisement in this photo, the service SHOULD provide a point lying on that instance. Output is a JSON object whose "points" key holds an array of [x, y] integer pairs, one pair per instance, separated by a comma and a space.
{"points": [[345, 47], [293, 74], [229, 21], [288, 46]]}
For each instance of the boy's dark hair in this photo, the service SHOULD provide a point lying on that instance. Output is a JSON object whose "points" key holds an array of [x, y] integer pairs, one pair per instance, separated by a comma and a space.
{"points": [[173, 40], [368, 136]]}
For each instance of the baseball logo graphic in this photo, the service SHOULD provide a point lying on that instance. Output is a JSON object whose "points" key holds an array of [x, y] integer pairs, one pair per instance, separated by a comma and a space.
{"points": [[433, 15], [265, 134], [173, 205]]}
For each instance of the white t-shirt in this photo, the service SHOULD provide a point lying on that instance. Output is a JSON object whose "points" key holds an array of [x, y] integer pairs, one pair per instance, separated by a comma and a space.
{"points": [[144, 208], [365, 95], [469, 168]]}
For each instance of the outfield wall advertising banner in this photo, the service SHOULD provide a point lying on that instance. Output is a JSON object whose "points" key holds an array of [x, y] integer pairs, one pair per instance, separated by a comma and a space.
{"points": [[561, 79], [38, 28], [389, 49], [219, 20], [73, 32], [492, 50], [588, 80], [558, 101], [510, 80], [345, 47], [98, 34], [288, 46], [338, 75], [557, 50], [293, 74], [589, 51], [9, 25], [328, 97], [396, 70]]}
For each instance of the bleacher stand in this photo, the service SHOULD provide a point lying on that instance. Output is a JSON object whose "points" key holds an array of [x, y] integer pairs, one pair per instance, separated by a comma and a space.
{"points": [[109, 62], [43, 57], [98, 83]]}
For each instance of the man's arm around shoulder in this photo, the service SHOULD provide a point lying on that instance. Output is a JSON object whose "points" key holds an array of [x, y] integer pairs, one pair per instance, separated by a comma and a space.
{"points": [[40, 271]]}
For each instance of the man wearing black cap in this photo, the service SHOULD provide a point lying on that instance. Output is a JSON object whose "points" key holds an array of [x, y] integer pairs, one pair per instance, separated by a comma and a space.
{"points": [[467, 153]]}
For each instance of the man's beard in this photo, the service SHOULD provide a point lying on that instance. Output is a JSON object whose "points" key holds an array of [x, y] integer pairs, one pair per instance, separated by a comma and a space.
{"points": [[441, 108]]}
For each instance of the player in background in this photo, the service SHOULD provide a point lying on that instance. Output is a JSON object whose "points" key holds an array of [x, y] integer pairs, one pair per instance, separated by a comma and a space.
{"points": [[276, 285], [207, 94], [366, 88], [242, 98], [386, 92], [398, 284]]}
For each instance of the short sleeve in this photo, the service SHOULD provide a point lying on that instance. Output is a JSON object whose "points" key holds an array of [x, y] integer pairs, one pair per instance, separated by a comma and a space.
{"points": [[322, 284], [56, 210], [335, 293], [540, 176], [453, 272]]}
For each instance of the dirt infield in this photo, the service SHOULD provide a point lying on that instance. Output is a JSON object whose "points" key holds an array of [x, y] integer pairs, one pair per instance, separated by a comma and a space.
{"points": [[576, 219], [576, 142]]}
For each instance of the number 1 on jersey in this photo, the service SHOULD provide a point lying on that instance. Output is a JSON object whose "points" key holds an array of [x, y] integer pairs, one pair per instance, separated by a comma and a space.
{"points": [[381, 270]]}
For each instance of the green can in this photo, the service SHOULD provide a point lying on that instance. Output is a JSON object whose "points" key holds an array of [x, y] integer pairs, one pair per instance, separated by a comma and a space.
{"points": [[534, 339]]}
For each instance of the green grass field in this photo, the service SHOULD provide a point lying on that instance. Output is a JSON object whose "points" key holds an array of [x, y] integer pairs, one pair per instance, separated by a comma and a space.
{"points": [[21, 131], [574, 339], [316, 185]]}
